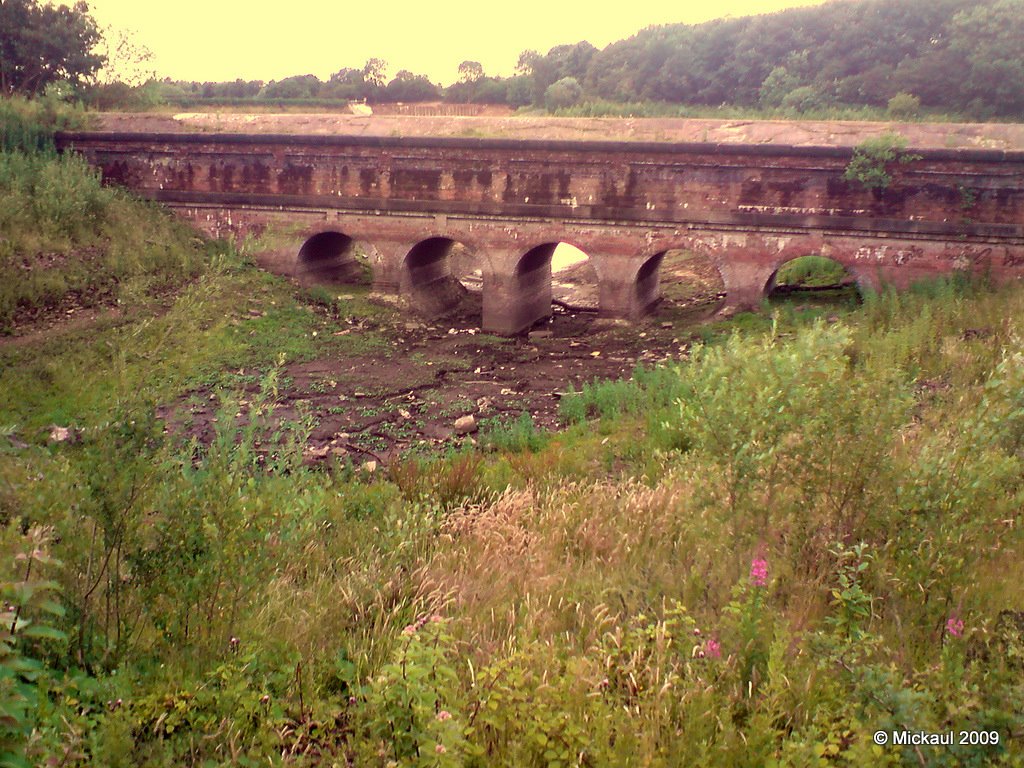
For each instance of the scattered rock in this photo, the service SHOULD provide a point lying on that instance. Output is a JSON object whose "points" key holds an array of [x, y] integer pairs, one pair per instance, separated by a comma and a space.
{"points": [[540, 335], [666, 325], [370, 467], [465, 424], [63, 434], [312, 452]]}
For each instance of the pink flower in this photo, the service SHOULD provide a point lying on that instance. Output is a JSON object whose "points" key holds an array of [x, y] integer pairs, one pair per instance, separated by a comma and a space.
{"points": [[713, 649], [955, 625], [440, 749], [758, 571], [443, 715]]}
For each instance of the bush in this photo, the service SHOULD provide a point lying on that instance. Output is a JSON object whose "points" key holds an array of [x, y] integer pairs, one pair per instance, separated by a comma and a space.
{"points": [[811, 271], [873, 161], [904, 106], [562, 94]]}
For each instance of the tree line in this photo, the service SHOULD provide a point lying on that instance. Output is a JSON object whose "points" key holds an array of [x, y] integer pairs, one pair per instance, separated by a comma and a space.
{"points": [[954, 56]]}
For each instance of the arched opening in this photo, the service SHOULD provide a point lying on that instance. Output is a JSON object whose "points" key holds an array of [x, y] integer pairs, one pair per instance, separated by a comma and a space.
{"points": [[333, 258], [550, 281], [574, 286], [812, 278], [686, 285], [442, 277]]}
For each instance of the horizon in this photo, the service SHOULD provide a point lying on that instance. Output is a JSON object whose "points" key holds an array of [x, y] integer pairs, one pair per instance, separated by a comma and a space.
{"points": [[235, 43]]}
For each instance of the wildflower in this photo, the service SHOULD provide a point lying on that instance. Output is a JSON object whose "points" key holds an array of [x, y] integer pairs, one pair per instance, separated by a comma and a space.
{"points": [[440, 749], [443, 715], [758, 571], [713, 649], [955, 626], [410, 629]]}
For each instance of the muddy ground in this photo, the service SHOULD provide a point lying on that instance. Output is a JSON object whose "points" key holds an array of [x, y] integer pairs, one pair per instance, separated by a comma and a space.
{"points": [[408, 396]]}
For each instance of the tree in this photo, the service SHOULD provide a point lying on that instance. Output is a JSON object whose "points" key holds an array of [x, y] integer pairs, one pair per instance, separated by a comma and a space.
{"points": [[295, 87], [126, 61], [991, 38], [409, 87], [903, 106], [470, 71], [40, 45], [562, 94], [375, 72]]}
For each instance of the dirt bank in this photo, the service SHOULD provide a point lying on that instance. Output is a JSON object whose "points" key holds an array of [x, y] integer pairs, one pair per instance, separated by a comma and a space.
{"points": [[796, 132]]}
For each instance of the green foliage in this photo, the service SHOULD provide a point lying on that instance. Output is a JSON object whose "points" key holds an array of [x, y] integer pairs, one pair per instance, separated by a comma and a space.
{"points": [[851, 604], [410, 710], [515, 436], [28, 125], [562, 93], [874, 159], [811, 271], [904, 106], [42, 44], [26, 623], [68, 234]]}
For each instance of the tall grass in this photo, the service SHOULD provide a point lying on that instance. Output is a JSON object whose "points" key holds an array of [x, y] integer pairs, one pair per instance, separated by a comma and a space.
{"points": [[28, 125], [63, 233]]}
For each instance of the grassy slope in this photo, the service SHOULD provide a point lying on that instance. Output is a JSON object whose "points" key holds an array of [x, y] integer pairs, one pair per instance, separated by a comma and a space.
{"points": [[595, 599]]}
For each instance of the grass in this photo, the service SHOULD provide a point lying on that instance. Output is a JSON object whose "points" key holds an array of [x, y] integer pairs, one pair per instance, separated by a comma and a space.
{"points": [[811, 271], [629, 531]]}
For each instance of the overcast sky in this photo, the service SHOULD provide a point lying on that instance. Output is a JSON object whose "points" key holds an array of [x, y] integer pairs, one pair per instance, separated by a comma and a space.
{"points": [[228, 39]]}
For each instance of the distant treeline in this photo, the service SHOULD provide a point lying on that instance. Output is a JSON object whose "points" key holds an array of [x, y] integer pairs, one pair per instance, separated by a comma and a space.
{"points": [[955, 56]]}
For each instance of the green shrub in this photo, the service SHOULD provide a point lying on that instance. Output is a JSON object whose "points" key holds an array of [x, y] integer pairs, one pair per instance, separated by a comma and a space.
{"points": [[28, 125], [874, 160], [515, 437], [904, 106], [811, 271]]}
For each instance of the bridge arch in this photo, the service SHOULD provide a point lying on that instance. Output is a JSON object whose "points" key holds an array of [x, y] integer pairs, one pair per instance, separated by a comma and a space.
{"points": [[812, 272], [518, 289], [680, 274], [558, 270], [436, 274], [331, 256]]}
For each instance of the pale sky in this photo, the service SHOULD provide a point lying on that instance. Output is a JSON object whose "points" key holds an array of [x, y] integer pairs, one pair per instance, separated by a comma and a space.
{"points": [[227, 39]]}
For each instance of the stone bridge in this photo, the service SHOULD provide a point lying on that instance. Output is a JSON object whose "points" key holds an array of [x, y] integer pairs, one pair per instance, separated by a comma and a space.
{"points": [[405, 202]]}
